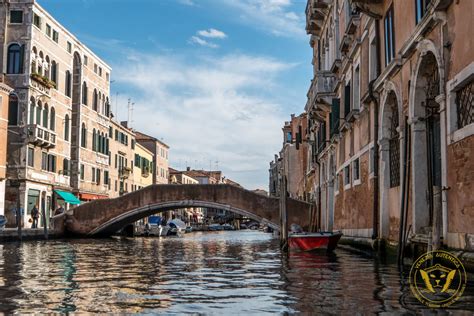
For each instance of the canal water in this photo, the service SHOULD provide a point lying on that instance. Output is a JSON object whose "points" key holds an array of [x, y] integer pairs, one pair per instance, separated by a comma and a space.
{"points": [[206, 273]]}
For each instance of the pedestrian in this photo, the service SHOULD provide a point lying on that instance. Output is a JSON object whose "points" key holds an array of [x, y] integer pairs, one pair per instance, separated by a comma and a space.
{"points": [[35, 216]]}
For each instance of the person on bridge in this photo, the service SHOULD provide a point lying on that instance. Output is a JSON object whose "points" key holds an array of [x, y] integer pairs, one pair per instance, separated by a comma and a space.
{"points": [[34, 216]]}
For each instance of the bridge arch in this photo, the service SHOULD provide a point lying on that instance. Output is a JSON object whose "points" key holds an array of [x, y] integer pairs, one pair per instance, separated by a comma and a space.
{"points": [[105, 217], [113, 225]]}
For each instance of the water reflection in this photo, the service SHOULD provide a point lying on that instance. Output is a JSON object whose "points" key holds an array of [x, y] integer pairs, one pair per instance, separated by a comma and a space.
{"points": [[222, 272]]}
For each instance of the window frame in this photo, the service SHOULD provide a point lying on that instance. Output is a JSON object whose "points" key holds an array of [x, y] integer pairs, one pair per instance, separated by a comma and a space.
{"points": [[30, 160], [16, 11], [389, 35]]}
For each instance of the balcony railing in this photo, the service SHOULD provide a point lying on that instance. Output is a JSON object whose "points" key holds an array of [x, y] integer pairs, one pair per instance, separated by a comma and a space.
{"points": [[41, 136], [145, 172], [124, 172], [325, 82]]}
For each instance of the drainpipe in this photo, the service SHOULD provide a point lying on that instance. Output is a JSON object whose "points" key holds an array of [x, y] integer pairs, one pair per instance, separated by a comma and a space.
{"points": [[373, 98]]}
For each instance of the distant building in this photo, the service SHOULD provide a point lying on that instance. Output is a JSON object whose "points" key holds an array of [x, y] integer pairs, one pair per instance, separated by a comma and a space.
{"points": [[190, 214], [5, 103], [142, 168], [274, 177], [160, 156]]}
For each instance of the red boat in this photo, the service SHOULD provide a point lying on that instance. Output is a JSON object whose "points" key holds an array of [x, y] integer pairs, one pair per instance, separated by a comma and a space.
{"points": [[314, 241]]}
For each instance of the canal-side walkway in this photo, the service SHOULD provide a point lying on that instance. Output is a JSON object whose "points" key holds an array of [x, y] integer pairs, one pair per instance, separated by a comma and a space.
{"points": [[11, 234]]}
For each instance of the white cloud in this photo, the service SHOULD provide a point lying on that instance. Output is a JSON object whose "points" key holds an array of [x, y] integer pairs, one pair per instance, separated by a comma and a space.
{"points": [[212, 33], [187, 2], [273, 16], [210, 109], [199, 41]]}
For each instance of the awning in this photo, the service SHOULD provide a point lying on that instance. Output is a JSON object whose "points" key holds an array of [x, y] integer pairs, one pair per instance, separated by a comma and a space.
{"points": [[68, 197]]}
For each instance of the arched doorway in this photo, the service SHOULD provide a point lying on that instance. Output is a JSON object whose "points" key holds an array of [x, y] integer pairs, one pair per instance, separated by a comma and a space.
{"points": [[426, 147], [390, 174]]}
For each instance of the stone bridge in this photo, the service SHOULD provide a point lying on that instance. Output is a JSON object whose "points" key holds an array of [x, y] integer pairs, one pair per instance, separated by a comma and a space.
{"points": [[105, 217]]}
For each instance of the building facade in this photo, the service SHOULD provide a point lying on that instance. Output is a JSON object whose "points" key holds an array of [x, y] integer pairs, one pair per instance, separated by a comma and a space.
{"points": [[5, 104], [61, 89], [390, 111], [160, 152], [142, 168]]}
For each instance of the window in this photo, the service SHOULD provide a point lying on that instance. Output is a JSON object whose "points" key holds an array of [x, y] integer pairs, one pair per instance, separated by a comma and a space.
{"points": [[389, 36], [83, 136], [100, 71], [288, 137], [133, 144], [66, 167], [115, 186], [54, 73], [13, 110], [31, 119], [45, 116], [421, 7], [37, 20], [84, 93], [95, 68], [86, 60], [55, 36], [38, 113], [356, 170], [44, 161], [31, 157], [52, 163], [16, 16], [347, 176], [94, 140], [93, 175], [356, 94], [465, 105], [68, 84], [107, 76], [82, 172], [48, 30], [95, 100], [106, 177], [347, 99], [15, 59], [69, 47], [52, 120], [111, 131], [97, 178], [394, 149]]}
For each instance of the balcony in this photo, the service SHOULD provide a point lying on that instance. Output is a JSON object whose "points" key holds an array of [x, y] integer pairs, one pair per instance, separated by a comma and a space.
{"points": [[42, 83], [145, 172], [316, 11], [124, 172], [41, 136], [352, 20]]}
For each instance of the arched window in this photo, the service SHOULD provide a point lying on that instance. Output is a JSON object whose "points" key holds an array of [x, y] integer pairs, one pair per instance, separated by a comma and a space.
{"points": [[83, 136], [84, 93], [394, 146], [52, 120], [13, 110], [39, 107], [66, 128], [68, 83], [40, 63], [31, 117], [54, 73], [46, 67], [107, 107], [45, 115], [15, 59], [95, 100], [94, 140], [33, 60]]}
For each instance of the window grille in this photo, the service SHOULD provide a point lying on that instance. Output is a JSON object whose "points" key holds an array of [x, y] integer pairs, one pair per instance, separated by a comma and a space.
{"points": [[465, 105]]}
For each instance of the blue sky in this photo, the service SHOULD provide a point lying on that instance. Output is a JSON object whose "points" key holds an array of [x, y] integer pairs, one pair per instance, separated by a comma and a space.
{"points": [[215, 79]]}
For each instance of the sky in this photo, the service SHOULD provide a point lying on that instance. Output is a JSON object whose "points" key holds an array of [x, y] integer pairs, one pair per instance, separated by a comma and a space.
{"points": [[214, 79]]}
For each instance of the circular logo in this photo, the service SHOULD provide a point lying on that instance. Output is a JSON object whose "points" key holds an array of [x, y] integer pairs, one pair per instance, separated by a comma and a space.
{"points": [[437, 279]]}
